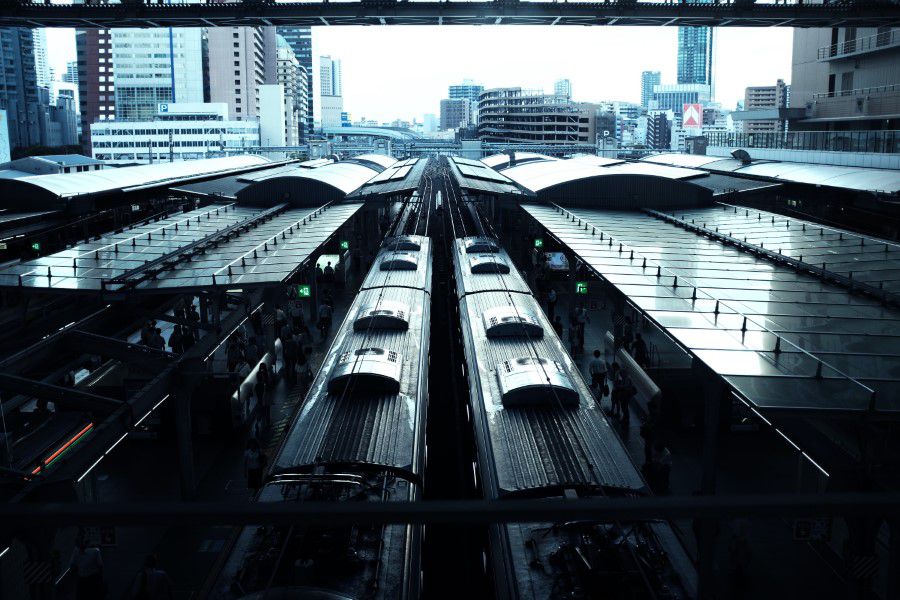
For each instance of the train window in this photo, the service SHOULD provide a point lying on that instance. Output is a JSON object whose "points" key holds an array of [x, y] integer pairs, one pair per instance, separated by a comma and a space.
{"points": [[404, 242], [367, 371], [510, 321], [384, 315], [487, 263], [480, 245], [530, 381], [400, 261]]}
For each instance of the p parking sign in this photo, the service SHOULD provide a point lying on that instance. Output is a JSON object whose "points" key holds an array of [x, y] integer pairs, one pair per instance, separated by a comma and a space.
{"points": [[304, 291], [581, 287]]}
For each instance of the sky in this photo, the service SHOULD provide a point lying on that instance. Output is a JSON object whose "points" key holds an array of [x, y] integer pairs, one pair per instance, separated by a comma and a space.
{"points": [[403, 72]]}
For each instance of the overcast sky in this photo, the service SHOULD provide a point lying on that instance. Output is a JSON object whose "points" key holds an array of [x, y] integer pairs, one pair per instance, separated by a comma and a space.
{"points": [[403, 72]]}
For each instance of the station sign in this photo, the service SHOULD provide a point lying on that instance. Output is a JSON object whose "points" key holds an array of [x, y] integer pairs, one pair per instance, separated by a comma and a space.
{"points": [[538, 242], [581, 287], [304, 290], [36, 246], [345, 244]]}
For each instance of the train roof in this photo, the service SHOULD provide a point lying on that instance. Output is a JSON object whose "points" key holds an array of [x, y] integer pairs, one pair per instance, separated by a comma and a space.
{"points": [[482, 270], [403, 261]]}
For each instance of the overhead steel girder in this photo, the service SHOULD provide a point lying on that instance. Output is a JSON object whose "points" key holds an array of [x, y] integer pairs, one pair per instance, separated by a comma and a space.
{"points": [[148, 13], [142, 356], [63, 397]]}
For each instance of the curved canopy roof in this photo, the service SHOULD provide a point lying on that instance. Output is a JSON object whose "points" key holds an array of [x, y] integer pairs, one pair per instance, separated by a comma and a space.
{"points": [[379, 159], [537, 176], [378, 132], [65, 185], [332, 182], [501, 161]]}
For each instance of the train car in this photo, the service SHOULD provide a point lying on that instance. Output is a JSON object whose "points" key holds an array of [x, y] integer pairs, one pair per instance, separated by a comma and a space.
{"points": [[541, 434], [359, 437]]}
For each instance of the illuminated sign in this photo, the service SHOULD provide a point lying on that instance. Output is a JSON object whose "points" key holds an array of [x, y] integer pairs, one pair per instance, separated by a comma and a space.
{"points": [[345, 244], [304, 291], [36, 246], [538, 242], [581, 287]]}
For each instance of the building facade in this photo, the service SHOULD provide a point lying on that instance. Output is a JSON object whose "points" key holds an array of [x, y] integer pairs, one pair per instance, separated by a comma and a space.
{"points": [[96, 98], [517, 115], [659, 130], [41, 65], [18, 88], [177, 131], [563, 87], [331, 92], [674, 96], [762, 100], [241, 59], [649, 80], [300, 41], [695, 55], [455, 113], [153, 66], [293, 79]]}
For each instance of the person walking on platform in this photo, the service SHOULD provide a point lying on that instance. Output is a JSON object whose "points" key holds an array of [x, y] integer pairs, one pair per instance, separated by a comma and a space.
{"points": [[325, 312], [262, 393], [152, 583], [87, 566], [581, 319], [297, 322], [573, 337], [597, 370], [639, 349], [558, 326], [551, 304], [175, 340], [628, 334], [254, 465], [290, 352]]}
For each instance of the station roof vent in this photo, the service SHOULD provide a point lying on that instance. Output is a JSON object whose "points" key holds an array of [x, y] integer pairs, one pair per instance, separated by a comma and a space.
{"points": [[400, 261], [384, 315], [488, 263], [367, 371], [404, 243], [532, 381], [509, 321], [480, 245]]}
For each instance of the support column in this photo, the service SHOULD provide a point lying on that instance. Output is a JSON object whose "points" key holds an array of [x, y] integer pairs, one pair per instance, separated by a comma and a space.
{"points": [[893, 566], [184, 439], [204, 309]]}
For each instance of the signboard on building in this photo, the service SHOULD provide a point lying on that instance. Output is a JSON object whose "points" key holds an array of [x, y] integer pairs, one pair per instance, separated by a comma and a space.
{"points": [[692, 116]]}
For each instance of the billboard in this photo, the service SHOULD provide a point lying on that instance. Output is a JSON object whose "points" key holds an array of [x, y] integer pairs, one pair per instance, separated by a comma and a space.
{"points": [[692, 116]]}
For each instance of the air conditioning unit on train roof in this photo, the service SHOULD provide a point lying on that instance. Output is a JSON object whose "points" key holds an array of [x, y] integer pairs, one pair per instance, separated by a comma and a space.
{"points": [[384, 315], [487, 263], [366, 371], [480, 245], [511, 321], [406, 243], [400, 261], [531, 381]]}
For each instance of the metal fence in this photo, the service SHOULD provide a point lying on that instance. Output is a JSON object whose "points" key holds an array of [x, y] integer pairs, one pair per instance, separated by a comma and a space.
{"points": [[883, 141]]}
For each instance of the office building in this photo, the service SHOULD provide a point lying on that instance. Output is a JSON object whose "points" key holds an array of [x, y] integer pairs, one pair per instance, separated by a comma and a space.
{"points": [[563, 87], [517, 115], [62, 120], [71, 74], [41, 65], [18, 87], [96, 98], [294, 80], [4, 137], [649, 80], [761, 108], [695, 55], [300, 41], [455, 113], [674, 96], [273, 115], [331, 92], [177, 131], [468, 89], [241, 59]]}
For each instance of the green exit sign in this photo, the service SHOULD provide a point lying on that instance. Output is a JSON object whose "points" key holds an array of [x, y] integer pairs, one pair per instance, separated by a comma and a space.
{"points": [[36, 246], [538, 242], [345, 244], [581, 287], [304, 291]]}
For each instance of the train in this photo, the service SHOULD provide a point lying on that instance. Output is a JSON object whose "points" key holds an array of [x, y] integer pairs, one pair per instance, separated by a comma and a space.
{"points": [[359, 436], [541, 434]]}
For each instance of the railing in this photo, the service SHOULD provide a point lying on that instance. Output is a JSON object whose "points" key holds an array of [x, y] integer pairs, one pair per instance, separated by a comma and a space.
{"points": [[879, 41], [879, 89], [883, 141]]}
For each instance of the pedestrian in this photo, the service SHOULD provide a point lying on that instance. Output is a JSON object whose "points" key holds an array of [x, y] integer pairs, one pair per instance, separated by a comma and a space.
{"points": [[625, 398], [303, 365], [233, 354], [152, 583], [581, 319], [251, 351], [661, 460], [188, 339], [551, 303], [628, 334], [262, 392], [280, 320], [194, 317], [328, 273], [648, 432], [597, 370], [147, 332], [87, 566], [639, 349], [558, 326], [328, 298], [157, 342], [325, 312], [573, 337], [618, 332], [254, 465], [289, 352], [615, 378], [175, 340], [297, 322]]}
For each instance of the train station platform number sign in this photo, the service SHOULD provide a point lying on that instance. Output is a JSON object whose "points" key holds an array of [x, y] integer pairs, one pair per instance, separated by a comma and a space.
{"points": [[36, 246], [304, 291], [345, 244], [581, 287], [538, 242]]}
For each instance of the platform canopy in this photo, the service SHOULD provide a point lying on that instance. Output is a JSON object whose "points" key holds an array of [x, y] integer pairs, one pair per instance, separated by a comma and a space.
{"points": [[218, 246], [783, 338]]}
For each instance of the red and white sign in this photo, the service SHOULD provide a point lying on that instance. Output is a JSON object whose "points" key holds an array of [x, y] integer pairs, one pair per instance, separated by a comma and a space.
{"points": [[692, 116]]}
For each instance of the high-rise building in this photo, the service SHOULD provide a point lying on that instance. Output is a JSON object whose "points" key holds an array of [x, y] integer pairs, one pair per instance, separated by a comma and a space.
{"points": [[455, 113], [273, 111], [241, 59], [71, 74], [563, 87], [293, 79], [300, 41], [517, 115], [96, 96], [62, 126], [41, 66], [674, 96], [649, 80], [467, 89], [331, 92], [760, 100], [18, 87], [695, 55], [152, 67]]}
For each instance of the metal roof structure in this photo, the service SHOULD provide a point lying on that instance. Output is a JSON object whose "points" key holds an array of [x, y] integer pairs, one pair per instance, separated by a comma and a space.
{"points": [[784, 338], [403, 177], [599, 161], [381, 160], [328, 183], [376, 132], [862, 179], [501, 161], [483, 180], [227, 187], [216, 246], [538, 176]]}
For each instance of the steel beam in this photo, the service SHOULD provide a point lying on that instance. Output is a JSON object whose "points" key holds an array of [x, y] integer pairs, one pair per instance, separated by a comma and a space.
{"points": [[107, 347], [63, 397]]}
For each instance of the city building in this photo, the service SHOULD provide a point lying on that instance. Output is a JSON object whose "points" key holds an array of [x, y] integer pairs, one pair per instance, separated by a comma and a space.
{"points": [[649, 80], [18, 87], [41, 66], [96, 98], [177, 131], [51, 164], [4, 137], [430, 123], [659, 130], [71, 74], [695, 55], [455, 113], [563, 87], [62, 120], [241, 59], [274, 108], [292, 76], [331, 92], [674, 96], [153, 66], [300, 41], [468, 89], [761, 108], [517, 115]]}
